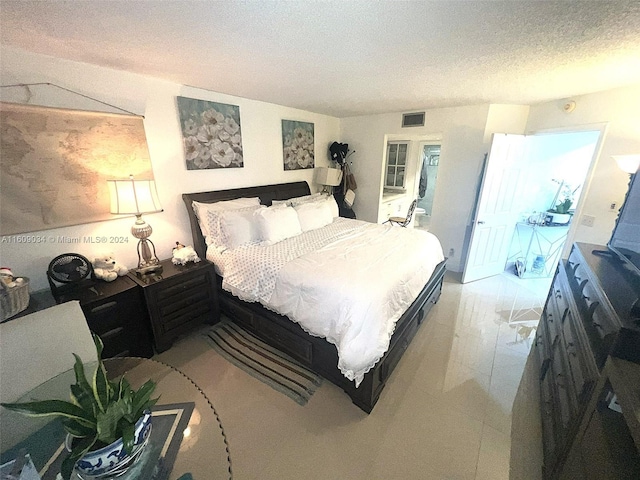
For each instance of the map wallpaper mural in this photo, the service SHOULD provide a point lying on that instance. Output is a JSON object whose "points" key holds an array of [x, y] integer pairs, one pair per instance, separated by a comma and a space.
{"points": [[55, 163]]}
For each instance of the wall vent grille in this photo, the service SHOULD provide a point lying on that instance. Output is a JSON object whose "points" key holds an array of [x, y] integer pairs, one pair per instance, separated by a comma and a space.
{"points": [[413, 119]]}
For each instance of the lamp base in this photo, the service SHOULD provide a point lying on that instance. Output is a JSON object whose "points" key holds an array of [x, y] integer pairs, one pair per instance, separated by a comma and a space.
{"points": [[149, 270]]}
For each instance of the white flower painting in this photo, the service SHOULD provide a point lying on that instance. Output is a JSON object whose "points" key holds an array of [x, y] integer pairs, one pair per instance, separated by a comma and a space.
{"points": [[211, 134], [297, 144]]}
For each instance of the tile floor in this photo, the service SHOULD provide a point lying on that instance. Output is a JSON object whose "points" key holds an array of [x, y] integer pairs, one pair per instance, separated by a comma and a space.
{"points": [[446, 413]]}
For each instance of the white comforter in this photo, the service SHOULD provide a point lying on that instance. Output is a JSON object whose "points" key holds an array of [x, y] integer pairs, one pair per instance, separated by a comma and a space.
{"points": [[348, 282]]}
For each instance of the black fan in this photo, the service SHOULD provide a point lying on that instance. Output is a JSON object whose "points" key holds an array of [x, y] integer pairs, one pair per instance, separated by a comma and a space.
{"points": [[70, 269]]}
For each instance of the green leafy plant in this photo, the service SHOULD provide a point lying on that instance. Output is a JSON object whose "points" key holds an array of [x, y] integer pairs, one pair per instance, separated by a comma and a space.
{"points": [[99, 413], [562, 207]]}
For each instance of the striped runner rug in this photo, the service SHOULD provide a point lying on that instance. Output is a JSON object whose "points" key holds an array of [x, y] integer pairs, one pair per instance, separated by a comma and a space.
{"points": [[261, 361]]}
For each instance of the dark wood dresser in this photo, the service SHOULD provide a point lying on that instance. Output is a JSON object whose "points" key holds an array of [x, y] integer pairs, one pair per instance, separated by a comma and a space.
{"points": [[178, 299], [116, 312], [588, 351]]}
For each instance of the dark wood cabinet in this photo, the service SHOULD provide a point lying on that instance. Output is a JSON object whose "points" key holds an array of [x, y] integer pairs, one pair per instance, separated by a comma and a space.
{"points": [[178, 299], [116, 312], [588, 321]]}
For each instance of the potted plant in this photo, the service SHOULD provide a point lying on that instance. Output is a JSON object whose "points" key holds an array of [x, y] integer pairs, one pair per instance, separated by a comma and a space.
{"points": [[560, 214], [107, 423]]}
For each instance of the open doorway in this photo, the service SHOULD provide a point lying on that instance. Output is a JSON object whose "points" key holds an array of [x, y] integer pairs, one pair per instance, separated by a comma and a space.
{"points": [[548, 200], [429, 162], [524, 178]]}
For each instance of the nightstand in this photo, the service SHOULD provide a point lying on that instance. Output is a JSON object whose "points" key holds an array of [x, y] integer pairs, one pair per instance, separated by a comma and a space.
{"points": [[178, 299], [115, 311]]}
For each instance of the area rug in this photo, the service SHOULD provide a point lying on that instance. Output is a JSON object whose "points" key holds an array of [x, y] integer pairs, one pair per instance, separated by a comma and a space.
{"points": [[261, 361]]}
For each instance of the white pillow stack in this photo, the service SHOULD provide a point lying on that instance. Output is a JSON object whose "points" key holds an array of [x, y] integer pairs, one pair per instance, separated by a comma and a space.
{"points": [[232, 223]]}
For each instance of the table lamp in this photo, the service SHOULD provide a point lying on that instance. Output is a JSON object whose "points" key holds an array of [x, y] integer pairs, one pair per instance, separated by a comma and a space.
{"points": [[135, 197], [327, 177], [628, 163]]}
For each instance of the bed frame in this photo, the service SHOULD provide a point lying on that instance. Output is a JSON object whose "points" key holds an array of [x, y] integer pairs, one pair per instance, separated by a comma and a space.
{"points": [[314, 352]]}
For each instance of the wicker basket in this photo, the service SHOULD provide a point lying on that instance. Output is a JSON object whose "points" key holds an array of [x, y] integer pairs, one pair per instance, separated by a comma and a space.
{"points": [[13, 300]]}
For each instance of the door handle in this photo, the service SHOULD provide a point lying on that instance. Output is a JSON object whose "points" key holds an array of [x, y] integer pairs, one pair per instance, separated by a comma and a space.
{"points": [[480, 222]]}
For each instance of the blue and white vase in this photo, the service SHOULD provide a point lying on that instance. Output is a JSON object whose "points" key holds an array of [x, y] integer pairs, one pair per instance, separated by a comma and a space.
{"points": [[113, 459]]}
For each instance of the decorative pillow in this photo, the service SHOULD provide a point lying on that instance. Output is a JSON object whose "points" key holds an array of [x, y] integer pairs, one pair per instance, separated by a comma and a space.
{"points": [[239, 227], [213, 224], [201, 209], [281, 203], [277, 224], [314, 215]]}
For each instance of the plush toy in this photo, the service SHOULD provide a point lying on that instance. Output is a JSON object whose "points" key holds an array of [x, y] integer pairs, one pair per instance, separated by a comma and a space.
{"points": [[182, 255], [106, 268]]}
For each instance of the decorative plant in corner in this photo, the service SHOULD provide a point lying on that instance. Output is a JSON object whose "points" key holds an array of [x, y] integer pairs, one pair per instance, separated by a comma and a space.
{"points": [[100, 414], [562, 207]]}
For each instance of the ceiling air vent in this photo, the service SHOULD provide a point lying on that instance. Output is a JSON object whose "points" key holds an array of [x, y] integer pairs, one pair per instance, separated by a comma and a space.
{"points": [[413, 119]]}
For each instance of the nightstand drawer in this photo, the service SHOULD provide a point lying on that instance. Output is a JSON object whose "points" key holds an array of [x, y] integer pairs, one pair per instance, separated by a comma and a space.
{"points": [[115, 312]]}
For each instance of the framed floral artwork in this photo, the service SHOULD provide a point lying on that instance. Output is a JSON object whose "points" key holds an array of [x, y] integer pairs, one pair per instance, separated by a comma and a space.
{"points": [[211, 134], [297, 145]]}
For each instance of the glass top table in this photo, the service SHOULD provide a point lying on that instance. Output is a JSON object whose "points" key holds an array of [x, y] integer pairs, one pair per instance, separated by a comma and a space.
{"points": [[187, 436]]}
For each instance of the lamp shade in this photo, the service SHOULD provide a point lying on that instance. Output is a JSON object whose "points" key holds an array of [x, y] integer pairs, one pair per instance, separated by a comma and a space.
{"points": [[628, 163], [328, 176], [133, 196]]}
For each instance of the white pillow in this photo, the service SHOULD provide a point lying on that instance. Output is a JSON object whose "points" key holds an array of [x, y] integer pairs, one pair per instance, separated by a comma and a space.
{"points": [[305, 198], [213, 224], [239, 227], [277, 224], [281, 203], [333, 206], [201, 209], [314, 215]]}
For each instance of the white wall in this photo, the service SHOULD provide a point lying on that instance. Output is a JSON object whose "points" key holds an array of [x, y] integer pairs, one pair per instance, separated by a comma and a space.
{"points": [[156, 100], [461, 130], [618, 109]]}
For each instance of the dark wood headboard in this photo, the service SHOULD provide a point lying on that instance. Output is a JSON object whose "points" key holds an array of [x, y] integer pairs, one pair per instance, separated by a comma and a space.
{"points": [[267, 193]]}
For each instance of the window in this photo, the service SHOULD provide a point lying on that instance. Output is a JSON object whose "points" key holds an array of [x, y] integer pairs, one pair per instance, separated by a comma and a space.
{"points": [[396, 165]]}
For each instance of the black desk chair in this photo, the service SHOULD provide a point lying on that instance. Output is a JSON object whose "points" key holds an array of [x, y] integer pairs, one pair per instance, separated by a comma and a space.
{"points": [[404, 221]]}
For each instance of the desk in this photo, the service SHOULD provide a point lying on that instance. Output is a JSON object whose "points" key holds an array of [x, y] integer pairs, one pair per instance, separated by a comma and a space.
{"points": [[202, 450], [539, 248]]}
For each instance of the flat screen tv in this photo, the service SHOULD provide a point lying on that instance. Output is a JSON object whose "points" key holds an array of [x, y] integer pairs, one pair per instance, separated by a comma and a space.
{"points": [[625, 239]]}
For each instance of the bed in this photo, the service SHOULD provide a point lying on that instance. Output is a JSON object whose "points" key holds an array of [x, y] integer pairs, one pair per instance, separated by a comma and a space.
{"points": [[315, 352]]}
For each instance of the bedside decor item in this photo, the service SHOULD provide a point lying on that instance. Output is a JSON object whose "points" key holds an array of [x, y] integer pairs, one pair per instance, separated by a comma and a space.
{"points": [[106, 268], [107, 424], [69, 271], [183, 255], [297, 145], [138, 197], [82, 150], [14, 295], [327, 177], [211, 134]]}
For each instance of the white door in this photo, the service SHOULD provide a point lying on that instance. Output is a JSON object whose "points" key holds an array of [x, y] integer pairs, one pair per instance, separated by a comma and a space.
{"points": [[497, 211]]}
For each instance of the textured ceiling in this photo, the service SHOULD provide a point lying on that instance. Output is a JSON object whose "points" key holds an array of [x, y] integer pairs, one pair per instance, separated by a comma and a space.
{"points": [[347, 58]]}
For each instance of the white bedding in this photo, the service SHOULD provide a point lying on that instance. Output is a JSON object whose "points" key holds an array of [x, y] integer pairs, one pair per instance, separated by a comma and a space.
{"points": [[348, 282]]}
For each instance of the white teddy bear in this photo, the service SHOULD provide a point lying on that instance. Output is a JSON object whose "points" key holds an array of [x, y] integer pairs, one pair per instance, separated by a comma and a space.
{"points": [[106, 268]]}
